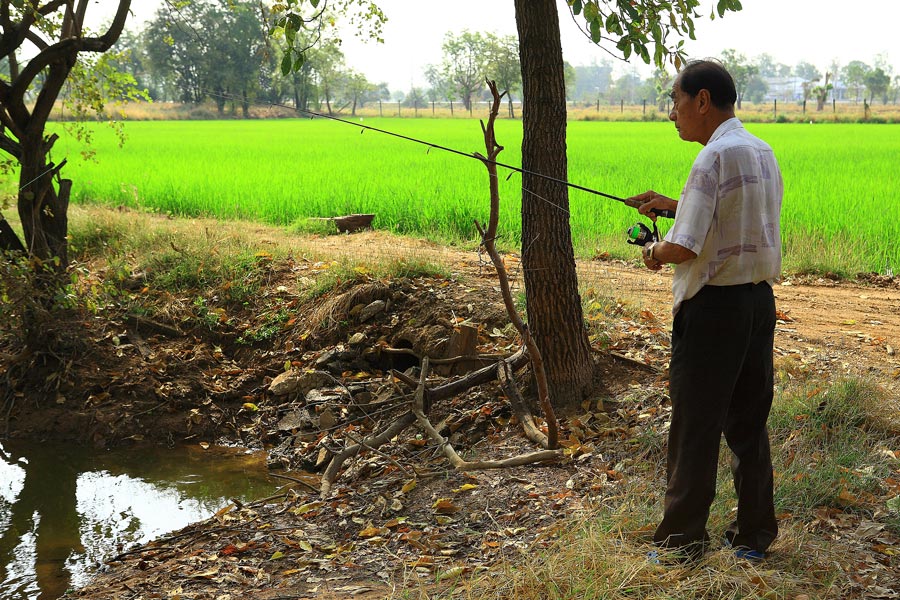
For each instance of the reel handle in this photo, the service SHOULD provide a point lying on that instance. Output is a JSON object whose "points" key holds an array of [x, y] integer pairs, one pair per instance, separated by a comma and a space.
{"points": [[667, 214]]}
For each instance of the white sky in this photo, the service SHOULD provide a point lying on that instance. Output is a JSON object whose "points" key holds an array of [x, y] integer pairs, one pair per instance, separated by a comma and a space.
{"points": [[816, 31]]}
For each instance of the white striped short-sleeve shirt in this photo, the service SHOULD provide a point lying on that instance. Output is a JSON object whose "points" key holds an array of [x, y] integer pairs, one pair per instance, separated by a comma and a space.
{"points": [[729, 214]]}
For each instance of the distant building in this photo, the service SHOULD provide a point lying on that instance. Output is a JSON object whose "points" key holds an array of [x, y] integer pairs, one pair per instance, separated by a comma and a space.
{"points": [[785, 89], [790, 89]]}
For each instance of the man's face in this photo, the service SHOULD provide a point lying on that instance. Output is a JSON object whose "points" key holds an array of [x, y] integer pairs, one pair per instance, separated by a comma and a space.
{"points": [[685, 114]]}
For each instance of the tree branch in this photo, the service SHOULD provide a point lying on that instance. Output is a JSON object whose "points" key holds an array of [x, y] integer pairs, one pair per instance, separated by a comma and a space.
{"points": [[520, 409], [373, 441], [68, 48], [487, 240]]}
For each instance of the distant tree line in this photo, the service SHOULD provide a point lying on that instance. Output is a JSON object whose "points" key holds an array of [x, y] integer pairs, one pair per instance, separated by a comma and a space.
{"points": [[219, 51], [757, 80]]}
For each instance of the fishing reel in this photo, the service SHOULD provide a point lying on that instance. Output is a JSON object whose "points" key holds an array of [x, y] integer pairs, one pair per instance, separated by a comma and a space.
{"points": [[641, 235]]}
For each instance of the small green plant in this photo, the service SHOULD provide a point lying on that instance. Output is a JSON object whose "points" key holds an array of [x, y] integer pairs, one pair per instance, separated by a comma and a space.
{"points": [[270, 327], [206, 315]]}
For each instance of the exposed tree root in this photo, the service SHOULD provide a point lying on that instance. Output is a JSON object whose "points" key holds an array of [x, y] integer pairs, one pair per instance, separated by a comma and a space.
{"points": [[519, 407]]}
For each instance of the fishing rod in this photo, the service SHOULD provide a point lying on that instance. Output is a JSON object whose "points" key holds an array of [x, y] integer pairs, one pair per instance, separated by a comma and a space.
{"points": [[669, 214]]}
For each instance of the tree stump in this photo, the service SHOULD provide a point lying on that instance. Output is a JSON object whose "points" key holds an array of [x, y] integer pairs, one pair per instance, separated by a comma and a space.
{"points": [[463, 342]]}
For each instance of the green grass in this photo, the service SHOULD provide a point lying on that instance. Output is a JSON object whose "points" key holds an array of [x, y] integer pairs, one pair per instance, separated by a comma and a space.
{"points": [[281, 172], [828, 441]]}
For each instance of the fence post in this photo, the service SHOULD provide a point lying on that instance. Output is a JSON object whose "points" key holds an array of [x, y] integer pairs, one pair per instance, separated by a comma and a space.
{"points": [[622, 105], [775, 110], [398, 108], [645, 107], [380, 114]]}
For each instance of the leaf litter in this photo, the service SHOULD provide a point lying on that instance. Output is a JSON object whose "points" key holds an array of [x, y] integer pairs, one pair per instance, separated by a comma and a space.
{"points": [[398, 515]]}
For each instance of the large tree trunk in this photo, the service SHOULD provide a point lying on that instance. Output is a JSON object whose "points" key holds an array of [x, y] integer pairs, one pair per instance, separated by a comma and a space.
{"points": [[551, 285], [43, 211]]}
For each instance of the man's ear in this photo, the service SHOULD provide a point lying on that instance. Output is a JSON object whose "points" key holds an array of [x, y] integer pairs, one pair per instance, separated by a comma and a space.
{"points": [[705, 101]]}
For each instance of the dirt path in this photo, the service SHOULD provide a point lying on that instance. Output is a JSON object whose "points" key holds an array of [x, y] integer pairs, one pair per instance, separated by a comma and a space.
{"points": [[826, 326], [846, 327]]}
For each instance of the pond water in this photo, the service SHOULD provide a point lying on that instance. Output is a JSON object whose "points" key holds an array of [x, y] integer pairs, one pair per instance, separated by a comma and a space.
{"points": [[65, 509]]}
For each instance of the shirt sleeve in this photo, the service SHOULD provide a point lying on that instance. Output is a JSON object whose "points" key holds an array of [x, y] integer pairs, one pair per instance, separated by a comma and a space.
{"points": [[698, 204]]}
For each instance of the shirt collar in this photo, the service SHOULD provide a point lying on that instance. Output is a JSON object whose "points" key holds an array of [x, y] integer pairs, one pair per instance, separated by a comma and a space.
{"points": [[726, 126]]}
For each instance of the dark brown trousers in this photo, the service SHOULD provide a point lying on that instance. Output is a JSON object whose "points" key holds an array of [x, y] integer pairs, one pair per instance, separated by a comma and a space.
{"points": [[721, 381]]}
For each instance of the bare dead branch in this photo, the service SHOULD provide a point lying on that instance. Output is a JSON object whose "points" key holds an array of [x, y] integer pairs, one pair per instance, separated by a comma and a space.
{"points": [[373, 441], [487, 240], [446, 361], [489, 373], [353, 438], [305, 484]]}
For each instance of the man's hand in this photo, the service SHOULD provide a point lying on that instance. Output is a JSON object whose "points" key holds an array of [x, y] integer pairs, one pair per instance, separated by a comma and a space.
{"points": [[650, 260], [650, 200]]}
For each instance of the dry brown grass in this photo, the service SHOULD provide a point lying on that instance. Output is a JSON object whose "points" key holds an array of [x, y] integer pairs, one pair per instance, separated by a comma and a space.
{"points": [[604, 557], [326, 318]]}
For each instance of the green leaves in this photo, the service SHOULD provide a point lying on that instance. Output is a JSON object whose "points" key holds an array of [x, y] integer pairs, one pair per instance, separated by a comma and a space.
{"points": [[286, 63], [613, 25], [725, 5], [596, 30], [633, 25]]}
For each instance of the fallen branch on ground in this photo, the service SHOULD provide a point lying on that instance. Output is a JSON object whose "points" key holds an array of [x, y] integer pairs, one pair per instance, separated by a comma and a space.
{"points": [[463, 465]]}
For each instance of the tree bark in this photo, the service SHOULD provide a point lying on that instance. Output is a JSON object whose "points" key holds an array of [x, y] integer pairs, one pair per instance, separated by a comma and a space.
{"points": [[42, 208], [9, 241], [551, 286]]}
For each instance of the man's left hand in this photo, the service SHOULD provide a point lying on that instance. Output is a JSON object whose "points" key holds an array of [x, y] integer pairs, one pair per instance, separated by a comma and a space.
{"points": [[648, 254]]}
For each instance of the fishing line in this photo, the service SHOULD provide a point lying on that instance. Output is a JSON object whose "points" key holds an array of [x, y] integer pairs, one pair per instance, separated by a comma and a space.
{"points": [[50, 168], [430, 145]]}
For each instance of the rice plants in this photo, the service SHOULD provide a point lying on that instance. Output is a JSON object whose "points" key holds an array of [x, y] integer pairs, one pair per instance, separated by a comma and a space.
{"points": [[838, 178]]}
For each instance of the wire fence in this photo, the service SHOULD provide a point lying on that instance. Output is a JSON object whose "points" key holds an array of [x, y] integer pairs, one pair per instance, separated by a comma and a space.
{"points": [[604, 110], [770, 110]]}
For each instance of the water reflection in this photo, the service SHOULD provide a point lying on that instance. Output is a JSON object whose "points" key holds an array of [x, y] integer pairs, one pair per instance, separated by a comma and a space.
{"points": [[64, 509]]}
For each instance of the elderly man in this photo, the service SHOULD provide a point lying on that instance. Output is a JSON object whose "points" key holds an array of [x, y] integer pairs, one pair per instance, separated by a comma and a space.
{"points": [[726, 248]]}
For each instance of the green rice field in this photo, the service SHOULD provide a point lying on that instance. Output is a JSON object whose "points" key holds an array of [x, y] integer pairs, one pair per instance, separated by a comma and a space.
{"points": [[841, 179]]}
